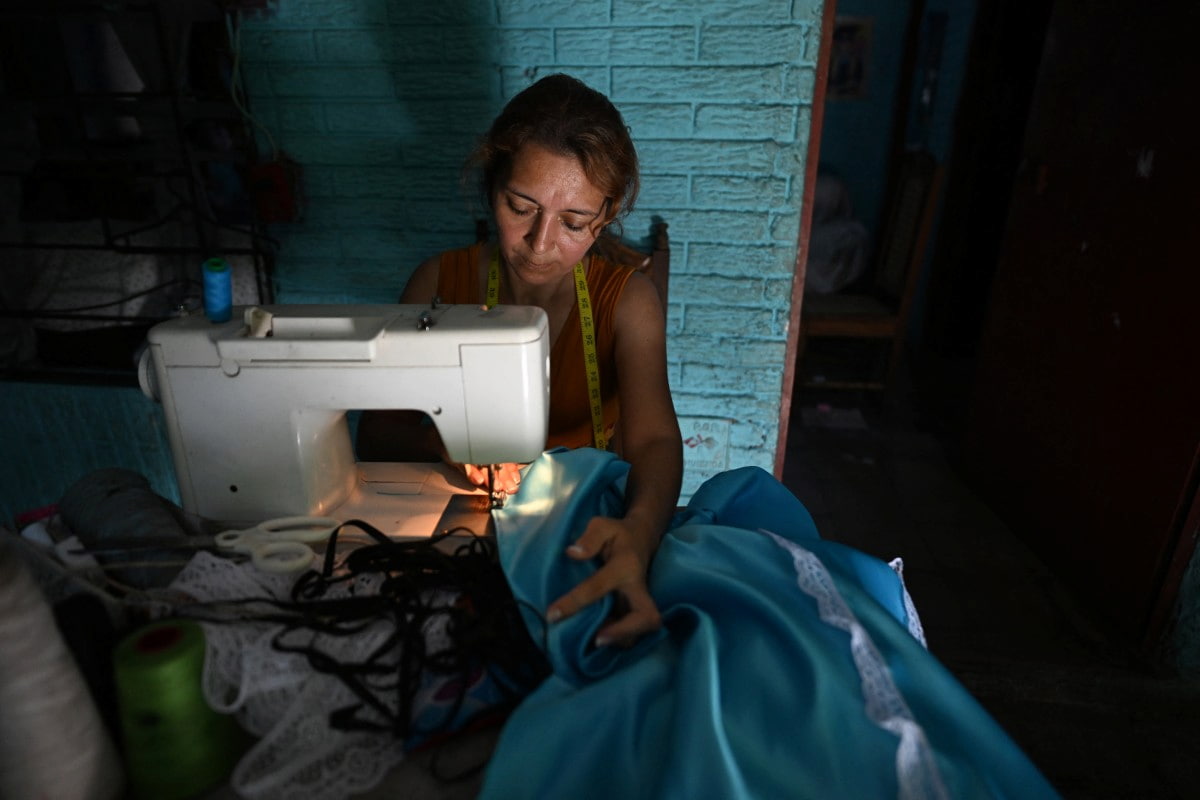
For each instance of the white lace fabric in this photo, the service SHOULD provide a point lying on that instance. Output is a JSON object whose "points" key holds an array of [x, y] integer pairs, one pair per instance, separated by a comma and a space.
{"points": [[917, 772], [279, 697]]}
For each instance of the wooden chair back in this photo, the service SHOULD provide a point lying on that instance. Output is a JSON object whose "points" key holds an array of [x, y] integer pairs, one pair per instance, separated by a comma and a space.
{"points": [[656, 264], [881, 312]]}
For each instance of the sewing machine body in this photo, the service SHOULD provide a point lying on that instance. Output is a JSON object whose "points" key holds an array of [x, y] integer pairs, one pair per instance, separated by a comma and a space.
{"points": [[256, 407]]}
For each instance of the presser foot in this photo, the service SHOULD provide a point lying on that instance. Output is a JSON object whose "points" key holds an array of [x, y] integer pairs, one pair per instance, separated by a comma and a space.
{"points": [[496, 497]]}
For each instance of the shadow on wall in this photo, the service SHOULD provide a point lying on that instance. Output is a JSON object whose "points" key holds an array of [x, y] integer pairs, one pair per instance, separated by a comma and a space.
{"points": [[446, 111], [394, 162]]}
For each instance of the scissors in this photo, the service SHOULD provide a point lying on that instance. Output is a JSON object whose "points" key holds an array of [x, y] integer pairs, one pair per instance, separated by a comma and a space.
{"points": [[279, 545]]}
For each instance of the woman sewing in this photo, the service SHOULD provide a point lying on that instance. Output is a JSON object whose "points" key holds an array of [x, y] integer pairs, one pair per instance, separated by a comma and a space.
{"points": [[556, 167]]}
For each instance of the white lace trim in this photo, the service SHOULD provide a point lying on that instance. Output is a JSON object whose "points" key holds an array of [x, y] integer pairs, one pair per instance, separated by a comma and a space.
{"points": [[910, 608], [279, 698], [916, 768]]}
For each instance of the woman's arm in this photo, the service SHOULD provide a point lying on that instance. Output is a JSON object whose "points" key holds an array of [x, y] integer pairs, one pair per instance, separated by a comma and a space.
{"points": [[422, 286], [652, 445]]}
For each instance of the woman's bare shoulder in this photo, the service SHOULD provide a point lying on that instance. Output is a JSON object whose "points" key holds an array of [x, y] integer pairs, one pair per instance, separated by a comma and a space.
{"points": [[639, 301], [422, 286]]}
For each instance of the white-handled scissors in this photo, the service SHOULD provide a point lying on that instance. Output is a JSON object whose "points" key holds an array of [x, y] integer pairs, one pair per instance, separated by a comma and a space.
{"points": [[279, 545]]}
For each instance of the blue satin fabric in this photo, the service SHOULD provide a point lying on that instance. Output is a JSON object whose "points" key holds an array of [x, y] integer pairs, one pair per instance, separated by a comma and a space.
{"points": [[745, 692]]}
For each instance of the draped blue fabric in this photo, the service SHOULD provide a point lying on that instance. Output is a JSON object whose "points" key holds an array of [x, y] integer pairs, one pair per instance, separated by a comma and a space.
{"points": [[784, 667]]}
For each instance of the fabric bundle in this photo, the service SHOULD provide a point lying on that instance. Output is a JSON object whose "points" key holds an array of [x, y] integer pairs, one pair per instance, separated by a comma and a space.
{"points": [[786, 666]]}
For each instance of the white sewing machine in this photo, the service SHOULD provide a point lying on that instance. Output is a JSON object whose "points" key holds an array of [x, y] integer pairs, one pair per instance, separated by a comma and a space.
{"points": [[256, 407]]}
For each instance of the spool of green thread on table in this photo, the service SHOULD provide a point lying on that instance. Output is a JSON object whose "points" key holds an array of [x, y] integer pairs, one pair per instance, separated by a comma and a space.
{"points": [[175, 746]]}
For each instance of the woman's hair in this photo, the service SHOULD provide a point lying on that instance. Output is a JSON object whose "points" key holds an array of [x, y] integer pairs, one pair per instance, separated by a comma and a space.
{"points": [[565, 116]]}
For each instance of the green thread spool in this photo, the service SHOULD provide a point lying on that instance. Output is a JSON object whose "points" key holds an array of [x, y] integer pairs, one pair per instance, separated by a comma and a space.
{"points": [[175, 745]]}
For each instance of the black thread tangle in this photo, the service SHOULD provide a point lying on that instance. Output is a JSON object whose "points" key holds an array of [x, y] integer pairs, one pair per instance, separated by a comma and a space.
{"points": [[484, 624]]}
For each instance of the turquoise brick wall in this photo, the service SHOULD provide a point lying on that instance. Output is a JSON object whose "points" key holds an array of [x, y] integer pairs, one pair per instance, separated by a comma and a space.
{"points": [[51, 435], [381, 101]]}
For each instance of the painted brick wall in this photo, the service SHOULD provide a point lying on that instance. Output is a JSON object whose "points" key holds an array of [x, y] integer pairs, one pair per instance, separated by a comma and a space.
{"points": [[380, 102], [51, 435]]}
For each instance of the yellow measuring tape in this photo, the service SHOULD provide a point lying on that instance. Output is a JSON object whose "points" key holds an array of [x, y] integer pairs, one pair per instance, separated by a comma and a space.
{"points": [[587, 327]]}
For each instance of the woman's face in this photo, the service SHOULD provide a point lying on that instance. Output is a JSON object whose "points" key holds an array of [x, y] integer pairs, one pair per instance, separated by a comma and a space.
{"points": [[547, 215]]}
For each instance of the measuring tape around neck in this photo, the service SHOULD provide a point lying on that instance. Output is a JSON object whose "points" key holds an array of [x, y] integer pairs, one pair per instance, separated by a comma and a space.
{"points": [[587, 328]]}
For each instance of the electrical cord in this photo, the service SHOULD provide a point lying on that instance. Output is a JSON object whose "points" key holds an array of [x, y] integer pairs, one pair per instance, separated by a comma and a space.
{"points": [[124, 299], [211, 220], [233, 25]]}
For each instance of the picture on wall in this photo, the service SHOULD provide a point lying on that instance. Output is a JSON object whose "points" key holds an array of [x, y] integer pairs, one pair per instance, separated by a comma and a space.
{"points": [[849, 59]]}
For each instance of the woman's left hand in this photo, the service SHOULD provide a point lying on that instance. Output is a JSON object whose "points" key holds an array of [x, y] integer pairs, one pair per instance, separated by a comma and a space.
{"points": [[626, 561]]}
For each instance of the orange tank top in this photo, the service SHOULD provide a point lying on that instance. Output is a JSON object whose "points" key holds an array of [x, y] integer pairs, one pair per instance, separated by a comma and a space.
{"points": [[570, 413]]}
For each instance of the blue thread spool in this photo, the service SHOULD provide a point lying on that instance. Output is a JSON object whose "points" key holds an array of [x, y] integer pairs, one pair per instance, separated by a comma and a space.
{"points": [[218, 290]]}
